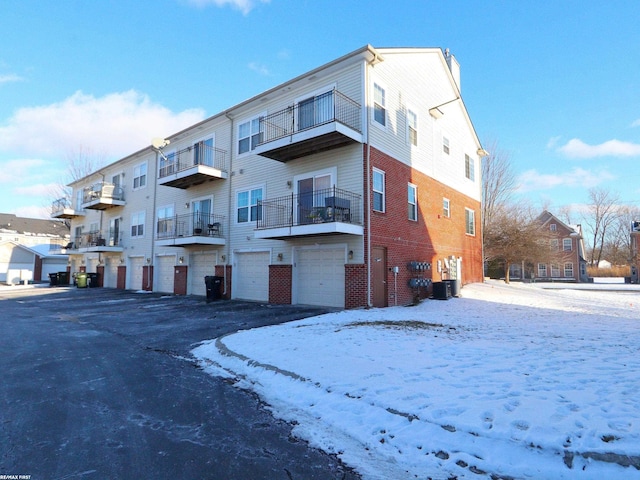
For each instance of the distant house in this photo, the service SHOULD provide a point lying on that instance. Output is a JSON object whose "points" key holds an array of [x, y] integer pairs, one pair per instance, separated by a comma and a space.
{"points": [[635, 251], [31, 248], [569, 263]]}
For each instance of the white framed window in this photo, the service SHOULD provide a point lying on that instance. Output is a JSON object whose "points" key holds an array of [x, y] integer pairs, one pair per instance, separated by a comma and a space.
{"points": [[568, 269], [412, 127], [379, 105], [553, 227], [249, 135], [203, 152], [446, 208], [378, 190], [248, 205], [554, 244], [445, 145], [470, 221], [555, 270], [542, 270], [316, 108], [137, 225], [166, 221], [412, 202], [469, 168], [140, 176], [567, 244]]}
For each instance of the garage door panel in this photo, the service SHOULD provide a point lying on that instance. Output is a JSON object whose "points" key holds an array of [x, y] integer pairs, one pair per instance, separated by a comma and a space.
{"points": [[200, 266], [111, 274], [164, 273], [320, 277], [251, 276]]}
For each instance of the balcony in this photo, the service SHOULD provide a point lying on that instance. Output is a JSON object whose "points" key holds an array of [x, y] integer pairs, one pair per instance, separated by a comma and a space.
{"points": [[97, 241], [190, 230], [192, 166], [327, 121], [62, 208], [103, 195], [331, 211]]}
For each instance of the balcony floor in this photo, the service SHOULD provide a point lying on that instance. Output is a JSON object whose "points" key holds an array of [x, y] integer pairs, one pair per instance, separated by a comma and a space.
{"points": [[192, 176], [313, 229], [191, 241]]}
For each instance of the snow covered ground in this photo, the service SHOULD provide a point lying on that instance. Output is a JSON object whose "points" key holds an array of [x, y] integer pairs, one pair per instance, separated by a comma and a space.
{"points": [[509, 381]]}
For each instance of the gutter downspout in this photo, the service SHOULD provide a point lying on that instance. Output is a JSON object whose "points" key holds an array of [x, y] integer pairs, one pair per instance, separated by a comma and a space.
{"points": [[153, 217], [367, 182], [229, 205]]}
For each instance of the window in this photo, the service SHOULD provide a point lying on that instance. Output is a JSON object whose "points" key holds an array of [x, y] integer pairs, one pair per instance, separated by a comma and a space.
{"points": [[140, 176], [568, 270], [542, 270], [446, 208], [567, 244], [445, 145], [137, 225], [412, 200], [469, 168], [412, 128], [248, 205], [379, 105], [470, 221], [249, 135], [203, 152], [378, 190], [315, 110], [165, 226], [554, 244], [553, 227], [168, 164], [555, 270]]}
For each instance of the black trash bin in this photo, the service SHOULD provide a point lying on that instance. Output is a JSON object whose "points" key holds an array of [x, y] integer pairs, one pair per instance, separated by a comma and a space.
{"points": [[214, 287], [53, 279], [92, 280], [454, 286], [441, 290], [63, 278]]}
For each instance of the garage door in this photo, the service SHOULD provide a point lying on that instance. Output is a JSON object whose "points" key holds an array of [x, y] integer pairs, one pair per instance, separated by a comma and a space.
{"points": [[251, 276], [111, 273], [200, 266], [164, 273], [135, 273], [320, 277]]}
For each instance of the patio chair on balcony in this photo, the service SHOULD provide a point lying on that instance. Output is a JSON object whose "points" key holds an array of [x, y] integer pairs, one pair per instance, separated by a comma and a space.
{"points": [[213, 229], [340, 208]]}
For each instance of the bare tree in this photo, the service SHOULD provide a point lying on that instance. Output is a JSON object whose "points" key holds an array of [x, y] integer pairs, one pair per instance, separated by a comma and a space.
{"points": [[514, 236], [618, 247], [498, 183], [601, 215]]}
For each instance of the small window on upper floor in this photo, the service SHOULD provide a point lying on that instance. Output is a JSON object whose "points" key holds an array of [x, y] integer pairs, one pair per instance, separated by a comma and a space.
{"points": [[446, 208], [249, 135], [445, 145], [378, 190], [470, 221], [567, 244], [553, 227], [140, 176], [412, 200], [137, 225], [412, 128], [469, 168], [379, 105]]}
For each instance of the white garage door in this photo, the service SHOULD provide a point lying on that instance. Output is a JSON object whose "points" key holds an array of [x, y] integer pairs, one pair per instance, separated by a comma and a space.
{"points": [[111, 273], [135, 273], [251, 276], [320, 277], [164, 273], [201, 265]]}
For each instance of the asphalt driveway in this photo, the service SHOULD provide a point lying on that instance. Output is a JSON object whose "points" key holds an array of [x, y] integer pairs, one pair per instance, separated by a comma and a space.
{"points": [[99, 383]]}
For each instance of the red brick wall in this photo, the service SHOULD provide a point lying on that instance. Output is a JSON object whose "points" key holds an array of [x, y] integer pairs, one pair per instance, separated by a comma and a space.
{"points": [[429, 239], [280, 283], [355, 279], [220, 272]]}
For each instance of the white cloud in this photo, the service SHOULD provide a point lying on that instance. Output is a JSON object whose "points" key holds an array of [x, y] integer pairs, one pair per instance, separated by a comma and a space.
{"points": [[260, 68], [576, 148], [9, 78], [636, 123], [15, 171], [245, 6], [117, 124], [532, 180], [553, 142]]}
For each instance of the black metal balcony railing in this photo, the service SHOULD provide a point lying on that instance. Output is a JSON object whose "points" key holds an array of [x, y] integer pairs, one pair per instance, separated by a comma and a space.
{"points": [[195, 224], [107, 238], [320, 206], [102, 190], [198, 154], [329, 107], [60, 204]]}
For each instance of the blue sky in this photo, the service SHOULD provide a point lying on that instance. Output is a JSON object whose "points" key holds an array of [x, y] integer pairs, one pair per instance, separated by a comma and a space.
{"points": [[556, 84]]}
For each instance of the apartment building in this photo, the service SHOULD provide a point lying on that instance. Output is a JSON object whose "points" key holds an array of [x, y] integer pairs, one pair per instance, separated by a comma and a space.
{"points": [[355, 184]]}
